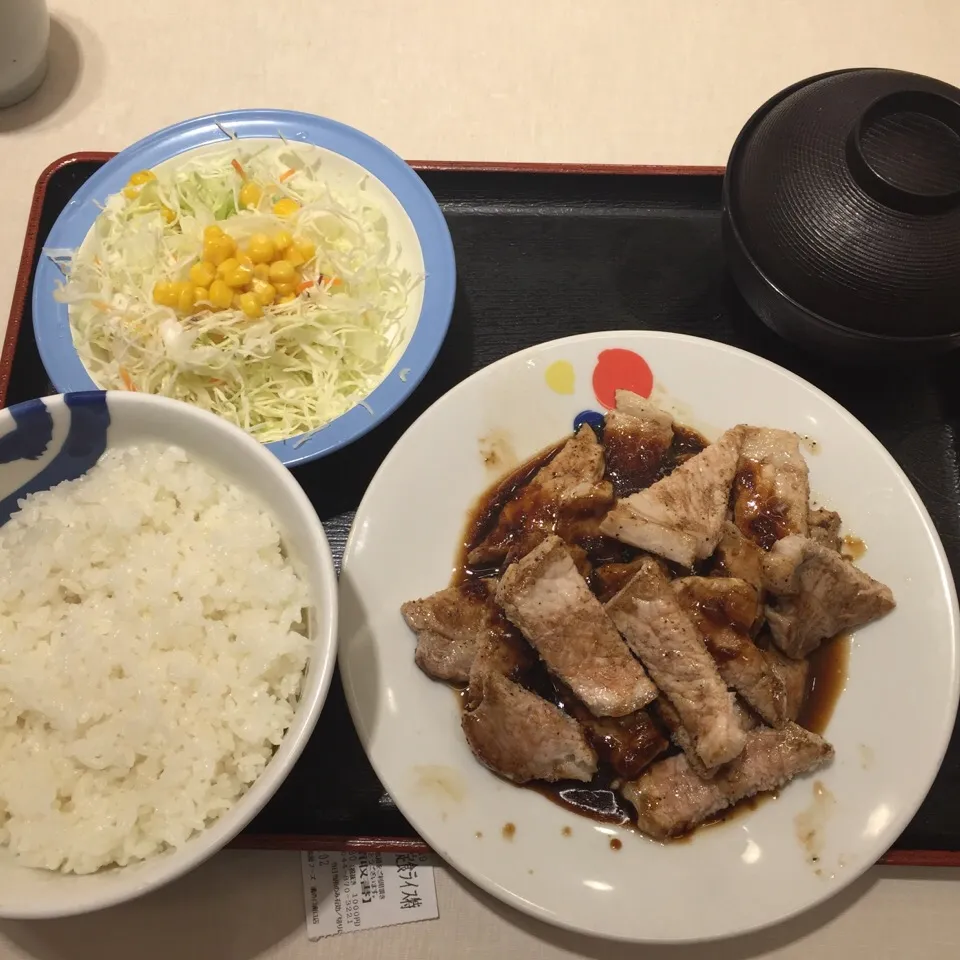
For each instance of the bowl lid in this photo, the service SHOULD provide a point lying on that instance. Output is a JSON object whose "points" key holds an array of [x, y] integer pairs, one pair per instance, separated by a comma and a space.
{"points": [[845, 191]]}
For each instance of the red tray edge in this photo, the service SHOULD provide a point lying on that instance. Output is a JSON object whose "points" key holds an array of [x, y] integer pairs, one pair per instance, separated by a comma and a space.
{"points": [[892, 858], [904, 858]]}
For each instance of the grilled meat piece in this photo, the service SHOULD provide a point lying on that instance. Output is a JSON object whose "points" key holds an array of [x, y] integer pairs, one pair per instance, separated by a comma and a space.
{"points": [[772, 486], [736, 556], [567, 491], [450, 626], [725, 610], [508, 655], [671, 799], [825, 528], [680, 517], [550, 602], [649, 616], [682, 739], [820, 594], [521, 736], [795, 674], [610, 578], [636, 435]]}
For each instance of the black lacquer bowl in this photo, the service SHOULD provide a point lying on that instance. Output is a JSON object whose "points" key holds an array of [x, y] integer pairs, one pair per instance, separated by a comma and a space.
{"points": [[841, 214]]}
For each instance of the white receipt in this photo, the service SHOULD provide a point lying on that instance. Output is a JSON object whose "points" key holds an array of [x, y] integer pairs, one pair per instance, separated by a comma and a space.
{"points": [[346, 892]]}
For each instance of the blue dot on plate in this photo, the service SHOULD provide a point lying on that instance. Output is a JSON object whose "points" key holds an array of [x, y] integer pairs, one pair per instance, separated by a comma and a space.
{"points": [[591, 417]]}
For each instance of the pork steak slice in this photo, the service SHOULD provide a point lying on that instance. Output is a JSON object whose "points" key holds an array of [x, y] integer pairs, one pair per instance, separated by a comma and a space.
{"points": [[819, 594], [736, 556], [671, 799], [450, 626], [724, 610], [825, 528], [658, 631], [569, 489], [772, 486], [522, 737], [549, 601], [680, 517]]}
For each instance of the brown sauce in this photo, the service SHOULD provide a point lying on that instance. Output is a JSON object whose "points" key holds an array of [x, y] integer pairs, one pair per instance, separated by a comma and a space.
{"points": [[484, 516], [853, 548], [623, 752], [634, 463], [828, 677], [597, 800], [763, 515]]}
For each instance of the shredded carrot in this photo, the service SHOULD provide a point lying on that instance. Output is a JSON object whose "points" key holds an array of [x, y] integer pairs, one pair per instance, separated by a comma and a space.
{"points": [[101, 305], [216, 382], [127, 382], [236, 166], [287, 174], [306, 285], [335, 281]]}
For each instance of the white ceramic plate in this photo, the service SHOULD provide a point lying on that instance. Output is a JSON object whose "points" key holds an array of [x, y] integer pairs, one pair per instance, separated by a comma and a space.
{"points": [[753, 870]]}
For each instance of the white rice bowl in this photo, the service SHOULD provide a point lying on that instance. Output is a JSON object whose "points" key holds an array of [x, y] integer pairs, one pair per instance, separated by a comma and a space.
{"points": [[170, 701]]}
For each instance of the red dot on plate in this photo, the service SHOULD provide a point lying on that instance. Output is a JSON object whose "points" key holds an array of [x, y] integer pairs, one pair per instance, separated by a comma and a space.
{"points": [[620, 369]]}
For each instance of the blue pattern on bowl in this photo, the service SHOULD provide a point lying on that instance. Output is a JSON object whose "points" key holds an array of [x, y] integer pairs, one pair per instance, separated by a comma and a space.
{"points": [[83, 422]]}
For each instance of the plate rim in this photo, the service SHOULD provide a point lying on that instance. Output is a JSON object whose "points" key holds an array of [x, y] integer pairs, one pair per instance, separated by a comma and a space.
{"points": [[897, 825], [51, 324]]}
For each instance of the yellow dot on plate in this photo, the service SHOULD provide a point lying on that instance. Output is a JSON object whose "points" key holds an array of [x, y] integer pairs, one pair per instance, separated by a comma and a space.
{"points": [[560, 376]]}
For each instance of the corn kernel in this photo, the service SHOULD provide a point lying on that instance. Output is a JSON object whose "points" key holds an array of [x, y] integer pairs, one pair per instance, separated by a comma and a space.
{"points": [[292, 256], [284, 288], [282, 271], [286, 207], [164, 294], [250, 194], [213, 232], [261, 248], [251, 306], [186, 294], [203, 273], [221, 296], [238, 277], [217, 249], [265, 292], [142, 177], [211, 252], [131, 193], [282, 240], [287, 298], [231, 263], [168, 215], [305, 248], [243, 258], [202, 294], [262, 271]]}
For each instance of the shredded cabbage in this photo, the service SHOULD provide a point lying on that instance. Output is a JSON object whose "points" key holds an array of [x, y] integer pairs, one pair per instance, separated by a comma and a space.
{"points": [[289, 372]]}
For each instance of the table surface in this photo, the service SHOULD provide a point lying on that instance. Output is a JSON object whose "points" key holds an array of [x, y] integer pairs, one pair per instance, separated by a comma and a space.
{"points": [[613, 81]]}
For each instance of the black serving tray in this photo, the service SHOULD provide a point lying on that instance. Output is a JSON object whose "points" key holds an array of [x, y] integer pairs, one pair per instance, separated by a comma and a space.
{"points": [[545, 252]]}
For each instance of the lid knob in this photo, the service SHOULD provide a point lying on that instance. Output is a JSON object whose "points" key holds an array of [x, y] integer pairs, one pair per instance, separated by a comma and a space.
{"points": [[904, 151]]}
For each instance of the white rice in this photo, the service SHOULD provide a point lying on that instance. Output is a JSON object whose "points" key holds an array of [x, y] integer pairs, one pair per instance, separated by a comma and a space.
{"points": [[151, 653]]}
